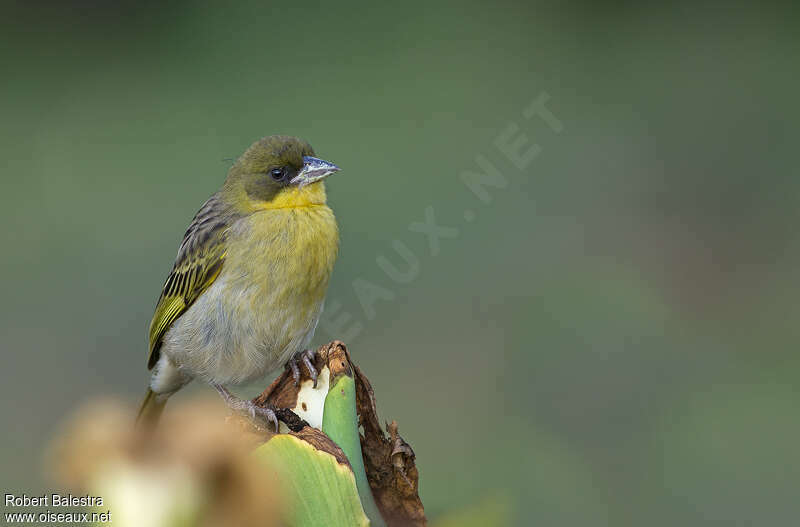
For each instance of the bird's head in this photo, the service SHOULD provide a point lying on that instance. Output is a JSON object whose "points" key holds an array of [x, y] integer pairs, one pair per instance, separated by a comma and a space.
{"points": [[278, 171]]}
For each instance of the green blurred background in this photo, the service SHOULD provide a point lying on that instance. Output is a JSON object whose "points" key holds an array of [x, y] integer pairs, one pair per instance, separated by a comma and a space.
{"points": [[611, 341]]}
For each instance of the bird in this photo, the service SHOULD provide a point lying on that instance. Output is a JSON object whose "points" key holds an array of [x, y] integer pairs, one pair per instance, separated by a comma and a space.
{"points": [[248, 285]]}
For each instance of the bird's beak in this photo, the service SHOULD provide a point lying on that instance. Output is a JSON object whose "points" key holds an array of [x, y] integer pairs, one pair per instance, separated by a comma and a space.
{"points": [[313, 170]]}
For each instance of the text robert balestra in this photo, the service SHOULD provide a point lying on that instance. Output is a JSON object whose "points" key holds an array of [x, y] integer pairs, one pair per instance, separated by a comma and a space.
{"points": [[53, 500]]}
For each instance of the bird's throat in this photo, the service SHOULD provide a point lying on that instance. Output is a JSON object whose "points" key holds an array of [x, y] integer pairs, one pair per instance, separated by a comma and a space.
{"points": [[296, 197]]}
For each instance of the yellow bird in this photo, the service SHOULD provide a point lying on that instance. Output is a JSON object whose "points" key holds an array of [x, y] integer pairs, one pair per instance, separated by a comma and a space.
{"points": [[249, 282]]}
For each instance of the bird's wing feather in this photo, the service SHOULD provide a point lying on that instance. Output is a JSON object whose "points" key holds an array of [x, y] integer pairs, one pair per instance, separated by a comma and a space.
{"points": [[199, 262]]}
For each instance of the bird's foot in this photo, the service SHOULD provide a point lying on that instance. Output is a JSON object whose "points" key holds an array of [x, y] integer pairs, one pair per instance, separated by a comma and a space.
{"points": [[307, 357], [247, 406]]}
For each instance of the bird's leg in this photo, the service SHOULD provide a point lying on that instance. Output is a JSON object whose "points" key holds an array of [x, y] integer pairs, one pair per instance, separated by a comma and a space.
{"points": [[242, 405], [307, 357]]}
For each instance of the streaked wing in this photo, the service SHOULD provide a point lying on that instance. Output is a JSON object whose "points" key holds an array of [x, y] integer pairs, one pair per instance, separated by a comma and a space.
{"points": [[199, 262]]}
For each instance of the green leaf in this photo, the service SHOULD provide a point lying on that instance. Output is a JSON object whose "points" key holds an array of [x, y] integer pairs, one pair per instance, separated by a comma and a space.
{"points": [[320, 490], [340, 423]]}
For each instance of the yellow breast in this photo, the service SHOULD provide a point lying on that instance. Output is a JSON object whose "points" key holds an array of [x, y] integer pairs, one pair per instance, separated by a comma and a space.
{"points": [[286, 251]]}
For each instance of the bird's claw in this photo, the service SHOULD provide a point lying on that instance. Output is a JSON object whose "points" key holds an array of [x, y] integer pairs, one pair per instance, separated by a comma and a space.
{"points": [[307, 357], [268, 414], [249, 407]]}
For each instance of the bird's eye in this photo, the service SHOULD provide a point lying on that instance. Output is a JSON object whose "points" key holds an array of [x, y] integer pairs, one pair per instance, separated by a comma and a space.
{"points": [[277, 173]]}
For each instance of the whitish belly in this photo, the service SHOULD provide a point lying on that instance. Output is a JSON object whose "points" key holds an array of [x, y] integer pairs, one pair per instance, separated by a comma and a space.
{"points": [[237, 332]]}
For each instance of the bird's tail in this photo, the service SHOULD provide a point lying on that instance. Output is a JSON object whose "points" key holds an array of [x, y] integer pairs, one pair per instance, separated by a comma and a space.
{"points": [[151, 409]]}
